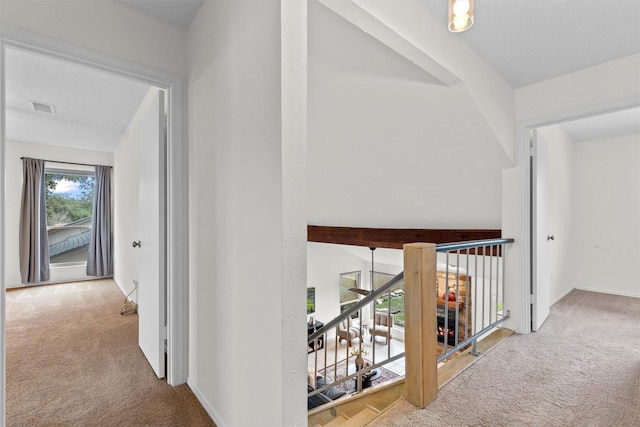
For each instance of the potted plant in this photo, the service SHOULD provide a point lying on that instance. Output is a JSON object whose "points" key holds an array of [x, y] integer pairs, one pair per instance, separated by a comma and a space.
{"points": [[358, 353]]}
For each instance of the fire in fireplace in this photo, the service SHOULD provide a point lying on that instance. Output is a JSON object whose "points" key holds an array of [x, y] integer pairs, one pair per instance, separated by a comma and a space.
{"points": [[451, 330]]}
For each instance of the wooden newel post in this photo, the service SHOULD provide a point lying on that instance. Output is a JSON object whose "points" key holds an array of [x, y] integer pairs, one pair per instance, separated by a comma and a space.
{"points": [[421, 381]]}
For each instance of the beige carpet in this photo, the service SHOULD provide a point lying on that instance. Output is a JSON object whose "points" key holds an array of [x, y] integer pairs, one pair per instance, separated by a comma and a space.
{"points": [[581, 369], [73, 360]]}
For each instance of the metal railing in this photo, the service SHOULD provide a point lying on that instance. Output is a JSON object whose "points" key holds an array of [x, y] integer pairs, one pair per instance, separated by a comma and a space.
{"points": [[343, 366], [470, 305]]}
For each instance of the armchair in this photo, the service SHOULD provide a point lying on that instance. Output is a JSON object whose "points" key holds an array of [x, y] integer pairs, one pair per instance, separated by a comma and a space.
{"points": [[345, 331], [382, 326]]}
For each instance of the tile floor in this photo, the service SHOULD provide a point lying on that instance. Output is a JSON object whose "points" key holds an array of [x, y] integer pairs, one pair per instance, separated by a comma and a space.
{"points": [[382, 352]]}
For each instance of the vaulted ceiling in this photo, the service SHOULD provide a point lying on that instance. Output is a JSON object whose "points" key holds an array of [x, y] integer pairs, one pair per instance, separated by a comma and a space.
{"points": [[526, 41]]}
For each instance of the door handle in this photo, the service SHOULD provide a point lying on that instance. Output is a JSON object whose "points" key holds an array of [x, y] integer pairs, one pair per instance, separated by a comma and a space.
{"points": [[550, 237], [136, 244]]}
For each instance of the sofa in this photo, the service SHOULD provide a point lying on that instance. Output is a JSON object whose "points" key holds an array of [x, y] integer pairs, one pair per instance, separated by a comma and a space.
{"points": [[324, 397]]}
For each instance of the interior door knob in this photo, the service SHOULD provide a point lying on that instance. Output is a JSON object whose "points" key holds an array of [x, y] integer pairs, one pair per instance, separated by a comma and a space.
{"points": [[136, 244], [551, 237]]}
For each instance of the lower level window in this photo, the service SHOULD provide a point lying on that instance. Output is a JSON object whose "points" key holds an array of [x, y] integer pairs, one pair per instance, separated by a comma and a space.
{"points": [[349, 298]]}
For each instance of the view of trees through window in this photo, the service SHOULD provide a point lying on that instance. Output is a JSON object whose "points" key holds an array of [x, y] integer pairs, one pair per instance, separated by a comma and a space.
{"points": [[393, 300], [349, 298], [69, 202]]}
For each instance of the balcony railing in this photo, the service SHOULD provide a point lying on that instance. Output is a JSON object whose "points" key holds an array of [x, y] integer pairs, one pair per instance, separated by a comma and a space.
{"points": [[468, 303]]}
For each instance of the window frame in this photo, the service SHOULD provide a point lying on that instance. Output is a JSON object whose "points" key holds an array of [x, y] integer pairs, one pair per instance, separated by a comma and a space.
{"points": [[392, 294], [344, 305], [77, 170]]}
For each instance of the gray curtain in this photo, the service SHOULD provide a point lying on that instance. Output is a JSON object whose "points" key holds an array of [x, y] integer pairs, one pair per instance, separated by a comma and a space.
{"points": [[100, 261], [34, 240]]}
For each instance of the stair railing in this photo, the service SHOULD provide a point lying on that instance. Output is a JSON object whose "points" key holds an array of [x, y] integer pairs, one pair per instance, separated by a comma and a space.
{"points": [[484, 252], [321, 335]]}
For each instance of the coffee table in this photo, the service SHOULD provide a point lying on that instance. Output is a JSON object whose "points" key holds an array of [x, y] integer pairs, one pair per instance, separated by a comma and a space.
{"points": [[368, 378]]}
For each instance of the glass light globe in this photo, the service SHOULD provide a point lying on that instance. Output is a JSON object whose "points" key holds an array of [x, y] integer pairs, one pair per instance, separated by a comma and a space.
{"points": [[461, 7], [460, 22]]}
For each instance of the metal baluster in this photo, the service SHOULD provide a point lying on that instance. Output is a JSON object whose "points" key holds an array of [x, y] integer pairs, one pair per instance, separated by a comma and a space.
{"points": [[484, 285], [466, 299], [503, 277], [457, 312], [445, 322], [491, 285]]}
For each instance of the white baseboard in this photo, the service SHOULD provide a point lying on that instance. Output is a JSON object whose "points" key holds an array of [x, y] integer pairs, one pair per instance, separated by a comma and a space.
{"points": [[57, 282], [608, 291], [120, 286], [561, 296], [207, 407]]}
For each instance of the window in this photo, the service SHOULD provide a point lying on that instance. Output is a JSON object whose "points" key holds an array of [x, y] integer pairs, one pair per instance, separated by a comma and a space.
{"points": [[393, 300], [349, 298], [69, 202]]}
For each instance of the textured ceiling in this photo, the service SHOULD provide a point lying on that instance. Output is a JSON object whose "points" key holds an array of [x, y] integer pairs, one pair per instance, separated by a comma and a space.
{"points": [[92, 108], [528, 41]]}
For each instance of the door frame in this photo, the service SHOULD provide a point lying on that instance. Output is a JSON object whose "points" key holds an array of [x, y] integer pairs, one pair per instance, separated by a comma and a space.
{"points": [[523, 322], [177, 291]]}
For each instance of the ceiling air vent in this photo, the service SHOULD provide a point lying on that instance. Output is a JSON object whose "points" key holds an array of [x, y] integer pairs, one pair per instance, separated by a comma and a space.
{"points": [[42, 107]]}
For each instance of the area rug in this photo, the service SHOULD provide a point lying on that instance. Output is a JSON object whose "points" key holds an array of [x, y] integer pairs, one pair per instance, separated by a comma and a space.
{"points": [[330, 373]]}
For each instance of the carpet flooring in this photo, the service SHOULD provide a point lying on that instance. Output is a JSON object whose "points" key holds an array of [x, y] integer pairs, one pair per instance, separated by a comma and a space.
{"points": [[581, 369], [73, 360]]}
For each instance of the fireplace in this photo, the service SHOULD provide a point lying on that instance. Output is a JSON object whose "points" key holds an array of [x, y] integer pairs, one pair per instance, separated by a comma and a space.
{"points": [[451, 332]]}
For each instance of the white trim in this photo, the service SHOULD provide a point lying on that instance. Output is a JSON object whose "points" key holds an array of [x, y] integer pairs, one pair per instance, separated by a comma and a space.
{"points": [[522, 156], [3, 365], [560, 297], [207, 407], [605, 291], [176, 228]]}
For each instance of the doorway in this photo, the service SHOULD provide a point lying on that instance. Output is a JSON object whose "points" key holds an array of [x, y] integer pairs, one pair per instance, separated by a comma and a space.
{"points": [[176, 332], [576, 206]]}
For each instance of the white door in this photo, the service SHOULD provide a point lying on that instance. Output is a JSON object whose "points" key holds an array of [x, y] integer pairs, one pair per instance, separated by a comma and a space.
{"points": [[540, 238], [152, 277]]}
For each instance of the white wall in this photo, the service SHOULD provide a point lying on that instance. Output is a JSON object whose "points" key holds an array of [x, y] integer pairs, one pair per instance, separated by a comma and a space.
{"points": [[247, 315], [388, 148], [606, 224], [492, 95], [562, 212], [104, 26], [13, 194], [325, 263], [126, 204]]}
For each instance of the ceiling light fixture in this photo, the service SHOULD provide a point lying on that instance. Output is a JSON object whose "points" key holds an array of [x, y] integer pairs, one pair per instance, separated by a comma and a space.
{"points": [[460, 15]]}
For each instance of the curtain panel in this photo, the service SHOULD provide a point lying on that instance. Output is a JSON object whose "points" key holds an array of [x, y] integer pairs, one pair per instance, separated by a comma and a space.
{"points": [[34, 240], [100, 260]]}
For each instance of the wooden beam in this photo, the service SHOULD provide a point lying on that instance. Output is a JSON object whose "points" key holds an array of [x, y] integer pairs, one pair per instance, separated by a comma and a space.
{"points": [[394, 238], [421, 371]]}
